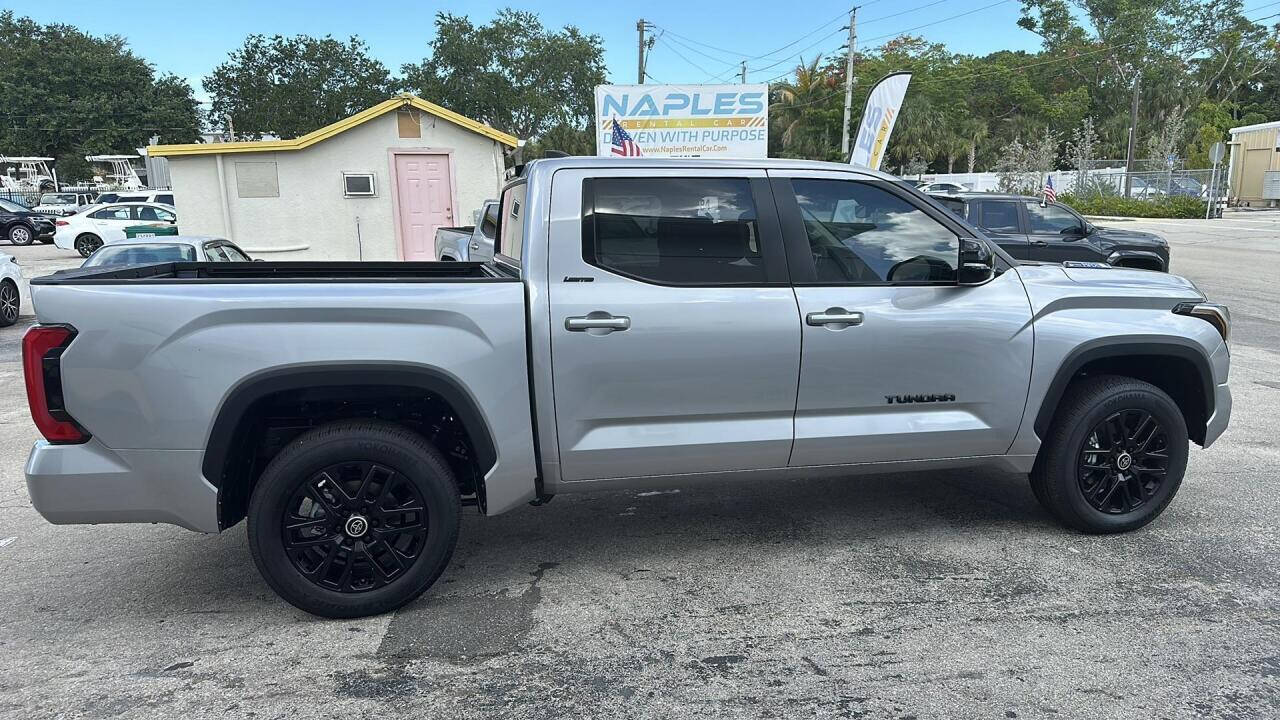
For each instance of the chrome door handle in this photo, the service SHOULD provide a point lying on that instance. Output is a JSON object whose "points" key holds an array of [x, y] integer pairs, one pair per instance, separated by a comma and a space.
{"points": [[834, 316], [597, 323], [1040, 243]]}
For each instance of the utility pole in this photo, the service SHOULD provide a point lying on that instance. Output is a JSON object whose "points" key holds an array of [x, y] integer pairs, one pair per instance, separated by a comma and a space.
{"points": [[848, 81], [744, 72], [640, 26], [1133, 137]]}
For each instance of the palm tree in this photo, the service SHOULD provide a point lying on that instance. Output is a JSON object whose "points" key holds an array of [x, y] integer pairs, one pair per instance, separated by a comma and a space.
{"points": [[918, 132], [798, 110], [974, 131]]}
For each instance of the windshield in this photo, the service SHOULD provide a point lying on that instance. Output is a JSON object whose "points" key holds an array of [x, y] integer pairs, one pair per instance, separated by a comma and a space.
{"points": [[140, 254], [57, 199]]}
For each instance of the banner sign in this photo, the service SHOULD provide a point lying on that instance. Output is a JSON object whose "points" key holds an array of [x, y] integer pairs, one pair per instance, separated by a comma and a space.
{"points": [[883, 105], [730, 121]]}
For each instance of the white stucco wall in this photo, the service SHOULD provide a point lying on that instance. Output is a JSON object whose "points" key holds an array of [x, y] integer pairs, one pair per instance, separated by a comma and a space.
{"points": [[311, 220]]}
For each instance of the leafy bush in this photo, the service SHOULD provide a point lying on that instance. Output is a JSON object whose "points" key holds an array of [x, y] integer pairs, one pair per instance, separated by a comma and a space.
{"points": [[1116, 206]]}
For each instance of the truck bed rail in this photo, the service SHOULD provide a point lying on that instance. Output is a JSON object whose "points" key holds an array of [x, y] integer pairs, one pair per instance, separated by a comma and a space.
{"points": [[280, 272]]}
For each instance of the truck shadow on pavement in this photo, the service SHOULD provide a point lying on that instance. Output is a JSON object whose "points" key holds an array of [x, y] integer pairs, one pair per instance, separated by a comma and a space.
{"points": [[618, 533]]}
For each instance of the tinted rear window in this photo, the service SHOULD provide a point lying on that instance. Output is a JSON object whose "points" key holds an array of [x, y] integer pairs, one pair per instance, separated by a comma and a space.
{"points": [[140, 254], [682, 231]]}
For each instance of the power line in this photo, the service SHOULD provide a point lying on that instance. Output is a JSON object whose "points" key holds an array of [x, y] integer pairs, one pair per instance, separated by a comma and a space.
{"points": [[741, 55], [680, 55]]}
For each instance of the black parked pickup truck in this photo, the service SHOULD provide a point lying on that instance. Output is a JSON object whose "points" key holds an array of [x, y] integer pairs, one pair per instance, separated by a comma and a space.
{"points": [[1029, 230]]}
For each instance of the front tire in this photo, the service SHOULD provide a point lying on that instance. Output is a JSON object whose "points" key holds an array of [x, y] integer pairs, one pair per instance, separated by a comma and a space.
{"points": [[354, 518], [85, 244], [10, 303], [21, 235], [1114, 456]]}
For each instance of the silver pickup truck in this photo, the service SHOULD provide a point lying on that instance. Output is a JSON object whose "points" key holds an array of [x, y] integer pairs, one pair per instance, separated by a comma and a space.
{"points": [[469, 243], [644, 323]]}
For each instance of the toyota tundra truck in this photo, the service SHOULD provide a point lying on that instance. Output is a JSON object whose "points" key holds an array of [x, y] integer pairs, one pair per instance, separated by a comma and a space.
{"points": [[643, 323]]}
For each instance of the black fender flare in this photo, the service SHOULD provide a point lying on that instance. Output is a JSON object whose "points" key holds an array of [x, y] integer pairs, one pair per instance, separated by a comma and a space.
{"points": [[1121, 347], [248, 391], [1118, 256]]}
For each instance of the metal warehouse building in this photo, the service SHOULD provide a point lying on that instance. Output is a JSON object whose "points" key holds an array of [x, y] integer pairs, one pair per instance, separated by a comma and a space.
{"points": [[374, 186], [1255, 164]]}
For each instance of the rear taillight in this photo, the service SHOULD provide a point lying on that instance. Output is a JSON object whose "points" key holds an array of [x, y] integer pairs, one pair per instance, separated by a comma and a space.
{"points": [[42, 349], [61, 223]]}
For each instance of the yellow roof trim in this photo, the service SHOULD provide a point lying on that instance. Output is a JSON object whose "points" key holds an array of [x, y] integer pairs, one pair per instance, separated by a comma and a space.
{"points": [[328, 131]]}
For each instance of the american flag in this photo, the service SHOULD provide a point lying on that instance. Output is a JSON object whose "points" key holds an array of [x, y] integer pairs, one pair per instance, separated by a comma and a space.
{"points": [[623, 145], [1050, 195]]}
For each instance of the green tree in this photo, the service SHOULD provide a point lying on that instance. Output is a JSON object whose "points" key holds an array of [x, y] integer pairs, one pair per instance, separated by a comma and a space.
{"points": [[802, 113], [289, 86], [65, 94], [511, 73]]}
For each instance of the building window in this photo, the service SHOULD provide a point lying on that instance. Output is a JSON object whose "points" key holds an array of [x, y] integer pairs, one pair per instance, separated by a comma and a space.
{"points": [[257, 180], [358, 185]]}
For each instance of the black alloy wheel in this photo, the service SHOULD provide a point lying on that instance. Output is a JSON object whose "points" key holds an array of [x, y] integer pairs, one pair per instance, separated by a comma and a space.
{"points": [[354, 518], [1124, 461], [354, 526], [87, 243], [10, 303], [1113, 457]]}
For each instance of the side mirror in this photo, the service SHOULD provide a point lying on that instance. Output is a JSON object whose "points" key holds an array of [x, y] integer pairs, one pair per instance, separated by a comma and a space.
{"points": [[1074, 232], [977, 262]]}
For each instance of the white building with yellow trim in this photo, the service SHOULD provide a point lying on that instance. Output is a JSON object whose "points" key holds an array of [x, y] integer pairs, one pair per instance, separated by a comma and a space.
{"points": [[373, 186]]}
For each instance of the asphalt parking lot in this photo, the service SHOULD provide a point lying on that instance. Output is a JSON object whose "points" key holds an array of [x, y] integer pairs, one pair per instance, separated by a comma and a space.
{"points": [[923, 596]]}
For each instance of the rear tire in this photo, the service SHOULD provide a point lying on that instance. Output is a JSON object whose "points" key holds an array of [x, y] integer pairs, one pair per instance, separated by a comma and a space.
{"points": [[85, 244], [10, 303], [354, 518], [21, 235], [1114, 457]]}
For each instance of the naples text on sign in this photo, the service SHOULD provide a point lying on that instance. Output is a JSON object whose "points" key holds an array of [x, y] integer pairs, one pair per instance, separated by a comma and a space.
{"points": [[686, 120]]}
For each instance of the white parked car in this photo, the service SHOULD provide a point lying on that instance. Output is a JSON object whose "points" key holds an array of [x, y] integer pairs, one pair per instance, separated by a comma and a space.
{"points": [[144, 251], [942, 187], [165, 197], [10, 298], [99, 225]]}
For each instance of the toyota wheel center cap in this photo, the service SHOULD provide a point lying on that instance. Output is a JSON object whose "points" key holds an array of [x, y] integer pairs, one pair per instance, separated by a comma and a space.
{"points": [[356, 526], [1124, 461]]}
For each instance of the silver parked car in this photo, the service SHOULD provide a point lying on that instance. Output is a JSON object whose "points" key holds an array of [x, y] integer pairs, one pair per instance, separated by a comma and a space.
{"points": [[141, 251], [644, 322]]}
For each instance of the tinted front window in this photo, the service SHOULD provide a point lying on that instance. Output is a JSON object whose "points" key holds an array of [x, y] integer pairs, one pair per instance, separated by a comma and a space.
{"points": [[999, 216], [1050, 219], [214, 253], [683, 231], [860, 233], [135, 254], [113, 213]]}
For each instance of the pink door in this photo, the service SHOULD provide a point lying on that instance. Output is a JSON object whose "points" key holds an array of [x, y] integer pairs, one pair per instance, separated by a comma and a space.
{"points": [[425, 201]]}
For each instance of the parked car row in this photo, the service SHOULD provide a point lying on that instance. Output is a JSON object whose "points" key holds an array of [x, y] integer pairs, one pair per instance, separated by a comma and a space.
{"points": [[1031, 230], [100, 225]]}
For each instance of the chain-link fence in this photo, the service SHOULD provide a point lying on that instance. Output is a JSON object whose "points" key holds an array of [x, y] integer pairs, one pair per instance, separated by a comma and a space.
{"points": [[1149, 185]]}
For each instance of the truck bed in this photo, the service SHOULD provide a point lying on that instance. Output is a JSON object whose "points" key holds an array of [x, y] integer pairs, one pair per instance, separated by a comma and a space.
{"points": [[280, 272]]}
